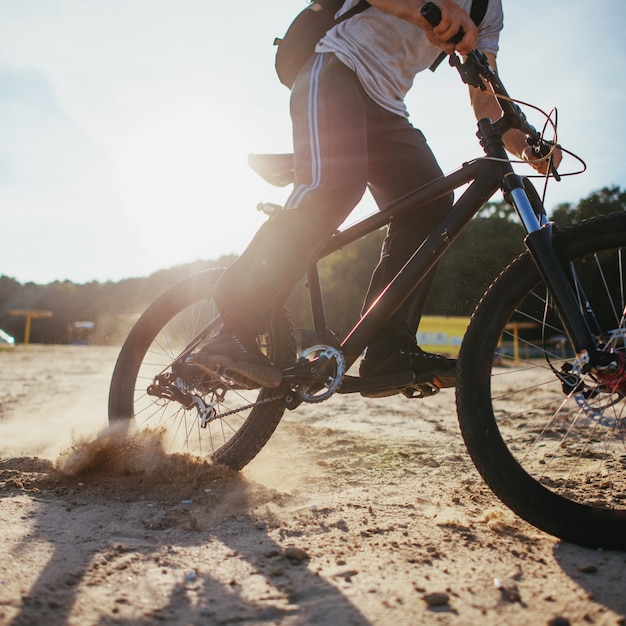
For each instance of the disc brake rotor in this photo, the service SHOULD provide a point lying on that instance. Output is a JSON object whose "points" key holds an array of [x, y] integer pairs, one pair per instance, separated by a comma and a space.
{"points": [[603, 390]]}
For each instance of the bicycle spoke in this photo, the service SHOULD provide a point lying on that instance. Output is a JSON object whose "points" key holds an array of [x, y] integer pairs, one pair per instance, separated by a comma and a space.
{"points": [[561, 427]]}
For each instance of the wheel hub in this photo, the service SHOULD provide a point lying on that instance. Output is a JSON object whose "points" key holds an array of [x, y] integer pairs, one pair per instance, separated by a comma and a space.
{"points": [[596, 393], [614, 378]]}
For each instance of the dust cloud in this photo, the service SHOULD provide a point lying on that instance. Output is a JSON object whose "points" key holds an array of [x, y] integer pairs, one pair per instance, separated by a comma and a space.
{"points": [[115, 451]]}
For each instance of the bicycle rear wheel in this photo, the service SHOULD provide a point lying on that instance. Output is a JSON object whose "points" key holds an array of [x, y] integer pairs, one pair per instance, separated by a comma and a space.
{"points": [[549, 440], [237, 421]]}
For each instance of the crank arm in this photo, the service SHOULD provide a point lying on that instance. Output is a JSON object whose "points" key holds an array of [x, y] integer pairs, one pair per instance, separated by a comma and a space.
{"points": [[306, 372]]}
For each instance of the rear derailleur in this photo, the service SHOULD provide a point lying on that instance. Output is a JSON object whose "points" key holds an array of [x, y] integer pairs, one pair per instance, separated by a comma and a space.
{"points": [[178, 386]]}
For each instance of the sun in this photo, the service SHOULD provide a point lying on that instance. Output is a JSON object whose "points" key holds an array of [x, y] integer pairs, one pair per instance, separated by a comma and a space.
{"points": [[184, 179]]}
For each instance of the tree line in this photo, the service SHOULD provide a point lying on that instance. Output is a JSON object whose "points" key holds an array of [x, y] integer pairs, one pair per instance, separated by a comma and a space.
{"points": [[491, 240]]}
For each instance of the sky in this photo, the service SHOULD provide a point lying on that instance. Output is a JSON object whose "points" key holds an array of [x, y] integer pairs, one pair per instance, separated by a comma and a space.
{"points": [[125, 125]]}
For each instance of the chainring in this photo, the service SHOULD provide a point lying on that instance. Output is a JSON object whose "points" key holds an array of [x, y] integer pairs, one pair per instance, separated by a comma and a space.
{"points": [[330, 359]]}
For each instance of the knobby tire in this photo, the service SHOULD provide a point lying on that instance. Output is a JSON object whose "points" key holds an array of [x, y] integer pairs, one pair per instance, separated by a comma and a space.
{"points": [[555, 454], [159, 335]]}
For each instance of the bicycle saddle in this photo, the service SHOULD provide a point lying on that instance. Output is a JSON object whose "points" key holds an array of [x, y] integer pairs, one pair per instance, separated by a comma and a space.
{"points": [[276, 169]]}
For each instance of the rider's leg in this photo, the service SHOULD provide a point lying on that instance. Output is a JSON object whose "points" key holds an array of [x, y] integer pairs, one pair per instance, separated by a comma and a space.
{"points": [[330, 151], [401, 161]]}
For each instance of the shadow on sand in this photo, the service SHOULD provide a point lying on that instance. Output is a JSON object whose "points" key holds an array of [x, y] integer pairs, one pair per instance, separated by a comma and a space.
{"points": [[138, 537]]}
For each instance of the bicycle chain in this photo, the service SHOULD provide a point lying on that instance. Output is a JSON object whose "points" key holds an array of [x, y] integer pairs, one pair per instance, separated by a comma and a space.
{"points": [[245, 407], [205, 413]]}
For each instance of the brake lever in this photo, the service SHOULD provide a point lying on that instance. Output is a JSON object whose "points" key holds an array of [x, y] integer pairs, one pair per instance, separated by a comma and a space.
{"points": [[553, 171], [542, 149], [472, 70]]}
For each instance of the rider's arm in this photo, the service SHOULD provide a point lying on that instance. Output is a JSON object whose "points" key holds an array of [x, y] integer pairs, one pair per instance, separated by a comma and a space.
{"points": [[453, 18], [485, 105]]}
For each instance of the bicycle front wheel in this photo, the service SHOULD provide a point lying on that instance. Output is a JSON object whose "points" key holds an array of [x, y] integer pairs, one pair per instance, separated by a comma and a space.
{"points": [[197, 414], [548, 439]]}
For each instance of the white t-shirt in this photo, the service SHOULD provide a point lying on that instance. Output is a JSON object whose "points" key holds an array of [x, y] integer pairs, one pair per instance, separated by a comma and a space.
{"points": [[387, 52]]}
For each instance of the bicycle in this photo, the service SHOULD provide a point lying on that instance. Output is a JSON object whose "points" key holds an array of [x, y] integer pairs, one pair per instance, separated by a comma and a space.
{"points": [[544, 426]]}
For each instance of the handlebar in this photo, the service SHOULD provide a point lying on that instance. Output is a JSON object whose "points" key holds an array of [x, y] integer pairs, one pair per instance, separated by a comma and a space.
{"points": [[432, 14], [430, 11], [475, 71]]}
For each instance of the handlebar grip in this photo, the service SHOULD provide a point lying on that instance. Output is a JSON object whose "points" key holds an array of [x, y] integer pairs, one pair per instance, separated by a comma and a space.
{"points": [[432, 14]]}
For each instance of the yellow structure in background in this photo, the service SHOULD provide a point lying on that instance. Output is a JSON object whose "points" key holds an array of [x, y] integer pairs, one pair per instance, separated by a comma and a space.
{"points": [[30, 314], [438, 333], [445, 334]]}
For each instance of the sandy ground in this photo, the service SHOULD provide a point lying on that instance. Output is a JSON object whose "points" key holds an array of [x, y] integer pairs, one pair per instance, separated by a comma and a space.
{"points": [[357, 512]]}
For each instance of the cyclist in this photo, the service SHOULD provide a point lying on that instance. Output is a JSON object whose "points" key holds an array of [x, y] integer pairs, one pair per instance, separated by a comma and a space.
{"points": [[351, 130]]}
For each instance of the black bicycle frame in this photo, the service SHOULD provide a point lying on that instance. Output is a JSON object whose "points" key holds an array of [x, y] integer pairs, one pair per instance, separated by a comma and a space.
{"points": [[485, 177]]}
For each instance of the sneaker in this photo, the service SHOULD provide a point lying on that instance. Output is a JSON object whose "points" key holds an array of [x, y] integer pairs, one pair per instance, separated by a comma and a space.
{"points": [[227, 354], [424, 365]]}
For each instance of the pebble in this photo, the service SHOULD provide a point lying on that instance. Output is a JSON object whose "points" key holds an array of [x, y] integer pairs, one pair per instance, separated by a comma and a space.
{"points": [[436, 599], [347, 575], [510, 593], [559, 621], [272, 553], [295, 554]]}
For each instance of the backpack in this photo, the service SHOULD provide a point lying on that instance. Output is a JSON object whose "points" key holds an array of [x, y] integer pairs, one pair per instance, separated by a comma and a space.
{"points": [[311, 24]]}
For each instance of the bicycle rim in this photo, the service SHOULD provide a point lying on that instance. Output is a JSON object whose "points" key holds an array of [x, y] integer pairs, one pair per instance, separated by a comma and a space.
{"points": [[549, 439], [238, 421]]}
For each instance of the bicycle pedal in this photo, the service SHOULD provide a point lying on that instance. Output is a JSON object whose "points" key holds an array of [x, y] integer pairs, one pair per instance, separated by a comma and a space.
{"points": [[392, 384], [424, 389], [378, 386]]}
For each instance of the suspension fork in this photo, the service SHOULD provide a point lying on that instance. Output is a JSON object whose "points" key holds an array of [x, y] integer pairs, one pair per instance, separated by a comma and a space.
{"points": [[574, 313], [538, 240]]}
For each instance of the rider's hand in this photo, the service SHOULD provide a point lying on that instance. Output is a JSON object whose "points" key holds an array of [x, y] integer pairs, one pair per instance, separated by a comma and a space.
{"points": [[541, 166], [453, 18]]}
